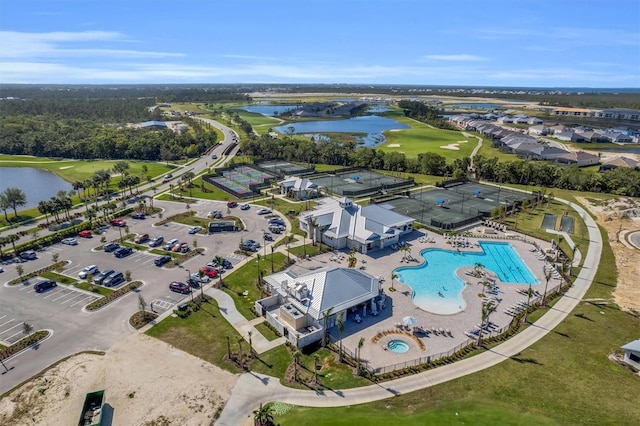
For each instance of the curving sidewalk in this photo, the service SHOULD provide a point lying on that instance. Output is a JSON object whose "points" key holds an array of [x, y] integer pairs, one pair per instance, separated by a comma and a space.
{"points": [[253, 389]]}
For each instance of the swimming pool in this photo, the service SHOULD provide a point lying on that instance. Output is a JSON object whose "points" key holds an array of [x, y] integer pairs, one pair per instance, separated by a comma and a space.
{"points": [[398, 346], [437, 288]]}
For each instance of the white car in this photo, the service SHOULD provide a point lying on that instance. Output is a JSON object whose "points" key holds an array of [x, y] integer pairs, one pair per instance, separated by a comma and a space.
{"points": [[88, 270], [245, 206], [70, 241], [263, 211], [195, 229]]}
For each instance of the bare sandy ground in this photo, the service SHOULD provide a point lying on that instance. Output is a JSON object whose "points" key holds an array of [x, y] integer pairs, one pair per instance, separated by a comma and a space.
{"points": [[627, 292], [146, 381]]}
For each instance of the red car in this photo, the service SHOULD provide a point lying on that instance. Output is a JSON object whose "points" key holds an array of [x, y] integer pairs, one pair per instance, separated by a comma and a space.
{"points": [[85, 234], [118, 222], [209, 271], [232, 204]]}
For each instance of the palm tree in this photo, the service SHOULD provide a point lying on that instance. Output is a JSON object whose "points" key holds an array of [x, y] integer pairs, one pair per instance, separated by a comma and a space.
{"points": [[4, 205], [263, 416], [45, 208], [529, 294], [316, 360], [547, 277], [325, 316], [394, 276], [20, 271], [14, 197], [27, 329], [240, 339], [351, 260], [487, 309], [477, 267], [12, 238], [296, 360], [250, 333], [312, 221], [340, 331], [360, 345], [142, 304]]}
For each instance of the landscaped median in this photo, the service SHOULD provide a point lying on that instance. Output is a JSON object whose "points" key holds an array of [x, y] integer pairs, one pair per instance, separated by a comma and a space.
{"points": [[24, 343], [103, 301], [54, 266]]}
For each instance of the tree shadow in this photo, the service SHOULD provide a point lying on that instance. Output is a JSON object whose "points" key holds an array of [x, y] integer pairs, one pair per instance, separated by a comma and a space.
{"points": [[522, 360], [583, 316]]}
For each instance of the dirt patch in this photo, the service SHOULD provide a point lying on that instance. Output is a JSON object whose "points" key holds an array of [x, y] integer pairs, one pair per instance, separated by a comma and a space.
{"points": [[617, 217], [145, 381]]}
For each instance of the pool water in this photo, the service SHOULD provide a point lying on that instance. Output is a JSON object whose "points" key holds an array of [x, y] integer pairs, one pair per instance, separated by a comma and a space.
{"points": [[437, 288], [398, 346]]}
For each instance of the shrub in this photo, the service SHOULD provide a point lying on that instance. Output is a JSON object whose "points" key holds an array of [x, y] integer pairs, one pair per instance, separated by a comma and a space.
{"points": [[97, 304]]}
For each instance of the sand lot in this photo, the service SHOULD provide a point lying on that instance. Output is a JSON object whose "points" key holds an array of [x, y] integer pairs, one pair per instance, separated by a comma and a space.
{"points": [[147, 382]]}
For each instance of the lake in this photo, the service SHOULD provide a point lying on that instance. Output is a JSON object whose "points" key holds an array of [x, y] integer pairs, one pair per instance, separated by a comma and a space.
{"points": [[37, 184], [269, 110], [372, 125]]}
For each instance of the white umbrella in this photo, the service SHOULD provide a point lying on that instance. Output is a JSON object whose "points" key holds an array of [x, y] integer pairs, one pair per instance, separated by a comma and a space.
{"points": [[409, 321]]}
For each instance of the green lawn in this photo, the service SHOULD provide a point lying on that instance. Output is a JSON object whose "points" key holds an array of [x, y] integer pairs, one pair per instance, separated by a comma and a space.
{"points": [[268, 333], [202, 334], [421, 138], [242, 279], [260, 123], [59, 278], [103, 291]]}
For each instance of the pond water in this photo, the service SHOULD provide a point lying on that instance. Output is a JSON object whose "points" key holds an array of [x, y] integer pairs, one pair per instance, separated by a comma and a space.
{"points": [[37, 184], [477, 106], [268, 110], [372, 125]]}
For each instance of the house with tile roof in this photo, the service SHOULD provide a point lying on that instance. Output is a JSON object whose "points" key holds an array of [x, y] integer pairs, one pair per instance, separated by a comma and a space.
{"points": [[300, 307], [616, 162], [343, 224]]}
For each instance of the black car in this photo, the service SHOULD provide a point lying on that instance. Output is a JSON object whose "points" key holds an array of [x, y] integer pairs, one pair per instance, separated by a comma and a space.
{"points": [[138, 216], [109, 247], [179, 287], [44, 285], [162, 260], [98, 279], [113, 280], [123, 252], [193, 283], [28, 255]]}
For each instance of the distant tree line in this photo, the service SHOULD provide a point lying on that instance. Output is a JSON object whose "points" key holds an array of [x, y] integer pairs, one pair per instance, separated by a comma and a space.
{"points": [[424, 113], [152, 93], [50, 136]]}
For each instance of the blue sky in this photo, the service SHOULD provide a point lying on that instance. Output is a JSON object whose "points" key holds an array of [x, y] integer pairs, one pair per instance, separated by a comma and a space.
{"points": [[542, 43]]}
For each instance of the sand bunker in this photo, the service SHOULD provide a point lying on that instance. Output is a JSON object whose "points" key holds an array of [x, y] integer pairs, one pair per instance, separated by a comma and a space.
{"points": [[394, 145], [66, 167], [453, 146]]}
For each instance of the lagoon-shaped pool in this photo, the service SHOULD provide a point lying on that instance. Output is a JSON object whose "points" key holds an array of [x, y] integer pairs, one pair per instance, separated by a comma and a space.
{"points": [[437, 288]]}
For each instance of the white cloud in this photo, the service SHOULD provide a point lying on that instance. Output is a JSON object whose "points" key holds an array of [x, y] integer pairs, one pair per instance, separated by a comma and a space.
{"points": [[458, 58], [18, 45]]}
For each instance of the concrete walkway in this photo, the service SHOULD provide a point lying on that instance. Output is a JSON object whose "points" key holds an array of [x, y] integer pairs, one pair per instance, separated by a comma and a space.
{"points": [[578, 256], [253, 389]]}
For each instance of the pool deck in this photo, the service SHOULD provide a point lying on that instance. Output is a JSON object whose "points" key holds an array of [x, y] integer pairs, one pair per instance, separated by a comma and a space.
{"points": [[381, 263]]}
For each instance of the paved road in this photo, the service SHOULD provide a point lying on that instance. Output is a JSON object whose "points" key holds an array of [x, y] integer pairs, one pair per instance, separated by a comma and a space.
{"points": [[253, 389]]}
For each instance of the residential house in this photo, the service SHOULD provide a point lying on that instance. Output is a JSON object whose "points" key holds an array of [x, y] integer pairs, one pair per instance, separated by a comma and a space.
{"points": [[569, 136], [539, 130], [559, 128], [301, 306], [344, 224], [592, 136], [632, 354], [579, 158], [534, 120], [298, 188], [154, 125], [616, 162]]}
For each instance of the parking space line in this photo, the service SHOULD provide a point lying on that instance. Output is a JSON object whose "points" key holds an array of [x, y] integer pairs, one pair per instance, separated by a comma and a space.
{"points": [[2, 317], [8, 339], [65, 293], [82, 300], [12, 319], [54, 292], [17, 325], [74, 297]]}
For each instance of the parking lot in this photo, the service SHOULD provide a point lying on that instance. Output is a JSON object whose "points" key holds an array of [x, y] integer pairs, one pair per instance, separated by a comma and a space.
{"points": [[60, 308]]}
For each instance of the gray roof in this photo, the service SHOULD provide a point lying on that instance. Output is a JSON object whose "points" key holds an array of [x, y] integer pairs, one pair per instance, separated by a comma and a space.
{"points": [[632, 346]]}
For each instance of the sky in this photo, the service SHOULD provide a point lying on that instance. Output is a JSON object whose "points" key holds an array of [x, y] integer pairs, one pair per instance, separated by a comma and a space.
{"points": [[498, 43]]}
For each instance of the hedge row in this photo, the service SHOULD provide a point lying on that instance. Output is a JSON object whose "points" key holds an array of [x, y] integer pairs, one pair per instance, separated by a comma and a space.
{"points": [[52, 267], [97, 304], [23, 343]]}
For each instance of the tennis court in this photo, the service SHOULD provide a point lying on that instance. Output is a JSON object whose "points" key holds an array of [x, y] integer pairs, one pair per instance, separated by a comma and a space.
{"points": [[284, 168], [455, 206], [231, 186], [359, 182], [567, 224]]}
